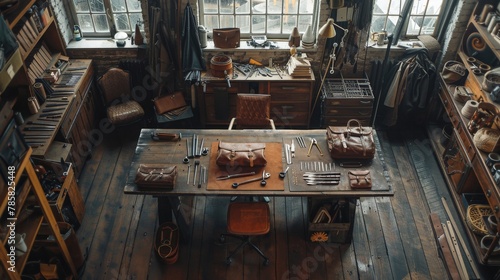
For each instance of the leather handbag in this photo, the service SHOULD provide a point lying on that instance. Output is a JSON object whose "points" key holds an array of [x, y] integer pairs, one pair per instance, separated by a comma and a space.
{"points": [[156, 175], [453, 71], [241, 154], [226, 38], [169, 102], [350, 142], [360, 179]]}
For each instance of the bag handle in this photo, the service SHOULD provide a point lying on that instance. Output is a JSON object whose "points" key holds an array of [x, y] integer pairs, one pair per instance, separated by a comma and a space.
{"points": [[349, 124]]}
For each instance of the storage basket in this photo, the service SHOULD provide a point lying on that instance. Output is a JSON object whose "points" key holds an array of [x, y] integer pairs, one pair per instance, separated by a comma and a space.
{"points": [[474, 219]]}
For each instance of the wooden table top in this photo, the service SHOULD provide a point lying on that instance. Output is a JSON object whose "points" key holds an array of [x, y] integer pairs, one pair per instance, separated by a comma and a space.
{"points": [[151, 151]]}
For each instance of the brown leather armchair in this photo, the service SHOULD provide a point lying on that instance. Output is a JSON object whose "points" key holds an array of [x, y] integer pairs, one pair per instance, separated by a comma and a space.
{"points": [[115, 88], [252, 111]]}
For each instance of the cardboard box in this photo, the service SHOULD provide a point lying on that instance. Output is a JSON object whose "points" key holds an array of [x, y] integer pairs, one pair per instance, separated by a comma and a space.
{"points": [[10, 69]]}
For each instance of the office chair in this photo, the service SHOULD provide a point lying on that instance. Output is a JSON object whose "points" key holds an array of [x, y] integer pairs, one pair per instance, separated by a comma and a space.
{"points": [[115, 88], [252, 111], [244, 221]]}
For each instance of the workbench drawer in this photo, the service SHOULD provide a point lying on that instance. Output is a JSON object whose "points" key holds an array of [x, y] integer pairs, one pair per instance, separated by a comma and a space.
{"points": [[70, 116], [348, 111], [342, 120], [290, 88], [236, 87], [348, 102]]}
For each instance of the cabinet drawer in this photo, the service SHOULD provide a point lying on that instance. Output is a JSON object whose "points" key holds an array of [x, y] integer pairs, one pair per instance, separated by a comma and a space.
{"points": [[289, 113], [290, 96], [236, 87], [342, 120], [350, 102], [467, 144], [348, 112], [70, 116], [290, 88]]}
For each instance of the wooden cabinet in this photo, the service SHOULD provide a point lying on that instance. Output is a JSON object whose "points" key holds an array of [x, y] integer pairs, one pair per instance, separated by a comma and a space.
{"points": [[464, 164], [22, 184], [345, 99], [290, 99]]}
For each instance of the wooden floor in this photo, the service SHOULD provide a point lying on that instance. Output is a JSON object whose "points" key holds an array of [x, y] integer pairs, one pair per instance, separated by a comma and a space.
{"points": [[392, 237]]}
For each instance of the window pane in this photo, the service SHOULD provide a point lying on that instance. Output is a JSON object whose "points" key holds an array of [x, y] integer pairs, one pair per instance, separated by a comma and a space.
{"points": [[306, 6], [378, 23], [434, 7], [258, 24], [85, 22], [121, 22], [134, 5], [118, 6], [391, 24], [211, 22], [97, 6], [243, 8], [227, 21], [226, 6], [396, 6], [429, 25], [304, 21], [243, 22], [210, 6], [274, 6], [289, 22], [381, 6], [418, 7], [274, 24], [259, 7], [81, 6], [290, 6], [134, 19], [414, 25], [100, 23]]}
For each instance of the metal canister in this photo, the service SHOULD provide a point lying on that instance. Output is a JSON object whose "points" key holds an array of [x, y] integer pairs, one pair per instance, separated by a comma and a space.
{"points": [[202, 34]]}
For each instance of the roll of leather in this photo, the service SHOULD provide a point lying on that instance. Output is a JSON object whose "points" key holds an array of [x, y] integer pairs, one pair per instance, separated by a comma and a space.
{"points": [[221, 65], [469, 108], [39, 87]]}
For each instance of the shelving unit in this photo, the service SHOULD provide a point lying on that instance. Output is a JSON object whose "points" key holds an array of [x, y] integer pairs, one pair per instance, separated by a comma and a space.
{"points": [[25, 179]]}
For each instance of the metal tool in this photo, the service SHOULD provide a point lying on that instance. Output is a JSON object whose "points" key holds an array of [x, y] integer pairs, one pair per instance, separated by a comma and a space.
{"points": [[235, 175], [226, 74], [323, 183], [283, 174], [262, 179], [196, 165], [200, 179], [292, 149], [287, 154], [204, 152], [186, 159], [28, 128], [263, 182], [189, 173], [314, 142], [198, 151], [193, 147]]}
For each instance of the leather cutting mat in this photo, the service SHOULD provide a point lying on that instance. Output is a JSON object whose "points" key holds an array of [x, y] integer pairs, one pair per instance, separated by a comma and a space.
{"points": [[274, 166]]}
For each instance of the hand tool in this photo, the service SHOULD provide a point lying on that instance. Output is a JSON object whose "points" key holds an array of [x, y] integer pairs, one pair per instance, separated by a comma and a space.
{"points": [[37, 124], [321, 173], [200, 179], [314, 142], [50, 104], [48, 110], [287, 154], [292, 148], [40, 123], [323, 183], [186, 159], [36, 136], [193, 146], [283, 174], [227, 78], [235, 175], [29, 128], [196, 165], [263, 182], [198, 151], [204, 152], [263, 178], [189, 173], [51, 115]]}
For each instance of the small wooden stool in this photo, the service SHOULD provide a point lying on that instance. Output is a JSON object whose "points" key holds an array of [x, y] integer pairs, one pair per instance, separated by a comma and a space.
{"points": [[245, 220]]}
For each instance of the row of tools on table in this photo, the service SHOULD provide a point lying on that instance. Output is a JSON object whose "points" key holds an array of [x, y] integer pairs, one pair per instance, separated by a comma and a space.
{"points": [[196, 151]]}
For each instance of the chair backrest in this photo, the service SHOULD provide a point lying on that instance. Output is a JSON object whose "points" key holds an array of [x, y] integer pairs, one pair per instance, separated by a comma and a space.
{"points": [[253, 110], [114, 84]]}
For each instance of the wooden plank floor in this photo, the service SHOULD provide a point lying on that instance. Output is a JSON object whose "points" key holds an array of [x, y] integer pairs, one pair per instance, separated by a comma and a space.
{"points": [[392, 237]]}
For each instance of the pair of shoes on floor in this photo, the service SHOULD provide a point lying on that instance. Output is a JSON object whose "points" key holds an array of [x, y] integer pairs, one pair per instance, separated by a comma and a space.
{"points": [[167, 242]]}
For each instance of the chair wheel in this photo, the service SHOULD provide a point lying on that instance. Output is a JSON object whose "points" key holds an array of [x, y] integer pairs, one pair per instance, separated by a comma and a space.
{"points": [[222, 238], [228, 261], [266, 261]]}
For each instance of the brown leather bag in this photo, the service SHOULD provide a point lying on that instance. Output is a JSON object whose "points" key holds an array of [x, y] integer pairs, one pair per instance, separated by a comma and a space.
{"points": [[169, 102], [351, 141], [360, 179], [156, 175], [241, 154], [226, 38]]}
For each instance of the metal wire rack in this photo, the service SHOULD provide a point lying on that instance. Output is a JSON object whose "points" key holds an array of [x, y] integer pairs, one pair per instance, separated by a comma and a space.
{"points": [[347, 88]]}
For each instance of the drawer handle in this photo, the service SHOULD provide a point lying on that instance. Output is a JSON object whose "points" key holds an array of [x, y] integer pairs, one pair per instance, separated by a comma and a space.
{"points": [[333, 111], [287, 107], [336, 103], [288, 88], [365, 101], [364, 113]]}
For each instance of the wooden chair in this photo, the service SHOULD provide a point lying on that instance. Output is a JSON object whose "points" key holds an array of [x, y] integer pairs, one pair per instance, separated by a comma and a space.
{"points": [[244, 221], [120, 108], [252, 111]]}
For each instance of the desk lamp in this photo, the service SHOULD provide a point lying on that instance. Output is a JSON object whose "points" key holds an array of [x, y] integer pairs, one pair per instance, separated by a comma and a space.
{"points": [[328, 31]]}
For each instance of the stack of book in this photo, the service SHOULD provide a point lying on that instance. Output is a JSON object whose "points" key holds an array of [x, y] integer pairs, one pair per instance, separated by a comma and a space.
{"points": [[299, 67], [30, 27]]}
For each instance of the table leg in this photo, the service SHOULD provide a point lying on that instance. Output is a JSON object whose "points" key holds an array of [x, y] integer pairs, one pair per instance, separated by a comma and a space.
{"points": [[168, 205]]}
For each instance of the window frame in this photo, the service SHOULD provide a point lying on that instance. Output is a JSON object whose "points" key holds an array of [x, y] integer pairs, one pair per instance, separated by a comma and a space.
{"points": [[110, 18], [272, 36]]}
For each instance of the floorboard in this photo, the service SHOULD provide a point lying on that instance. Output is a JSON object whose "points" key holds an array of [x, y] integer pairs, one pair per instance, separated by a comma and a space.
{"points": [[391, 236]]}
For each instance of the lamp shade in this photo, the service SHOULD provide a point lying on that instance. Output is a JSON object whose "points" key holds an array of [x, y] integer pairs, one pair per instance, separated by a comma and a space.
{"points": [[327, 30]]}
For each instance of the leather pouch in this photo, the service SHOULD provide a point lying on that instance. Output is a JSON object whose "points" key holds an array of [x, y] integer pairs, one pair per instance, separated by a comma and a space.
{"points": [[226, 38], [241, 154], [156, 176], [360, 179], [351, 141], [169, 102]]}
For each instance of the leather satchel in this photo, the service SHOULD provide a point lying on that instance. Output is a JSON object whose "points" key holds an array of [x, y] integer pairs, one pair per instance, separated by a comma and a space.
{"points": [[350, 142], [241, 154], [226, 38], [156, 175], [360, 179], [169, 102]]}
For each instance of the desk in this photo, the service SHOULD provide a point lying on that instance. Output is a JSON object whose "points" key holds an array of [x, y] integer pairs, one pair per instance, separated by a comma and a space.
{"points": [[150, 151]]}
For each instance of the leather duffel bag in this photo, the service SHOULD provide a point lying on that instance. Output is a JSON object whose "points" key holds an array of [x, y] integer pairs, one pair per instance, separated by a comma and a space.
{"points": [[241, 154], [351, 142]]}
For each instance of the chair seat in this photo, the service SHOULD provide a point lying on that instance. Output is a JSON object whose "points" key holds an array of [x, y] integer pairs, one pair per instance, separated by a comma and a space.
{"points": [[123, 113], [248, 218]]}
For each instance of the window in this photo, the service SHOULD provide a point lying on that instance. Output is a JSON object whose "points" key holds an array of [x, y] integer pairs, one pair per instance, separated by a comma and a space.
{"points": [[96, 16], [422, 20], [274, 18]]}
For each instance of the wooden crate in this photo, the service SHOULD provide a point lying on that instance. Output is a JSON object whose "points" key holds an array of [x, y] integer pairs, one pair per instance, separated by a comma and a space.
{"points": [[340, 229]]}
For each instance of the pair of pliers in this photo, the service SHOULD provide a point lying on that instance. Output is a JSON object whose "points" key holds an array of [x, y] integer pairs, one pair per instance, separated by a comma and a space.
{"points": [[315, 143]]}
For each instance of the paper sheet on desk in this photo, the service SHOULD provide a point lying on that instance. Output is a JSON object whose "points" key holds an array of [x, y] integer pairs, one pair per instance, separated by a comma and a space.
{"points": [[274, 157]]}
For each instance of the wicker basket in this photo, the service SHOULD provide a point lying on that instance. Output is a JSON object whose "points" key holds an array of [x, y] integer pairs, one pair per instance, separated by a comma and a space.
{"points": [[475, 221]]}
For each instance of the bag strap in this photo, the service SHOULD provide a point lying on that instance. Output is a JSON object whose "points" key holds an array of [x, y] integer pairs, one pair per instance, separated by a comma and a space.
{"points": [[361, 132]]}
